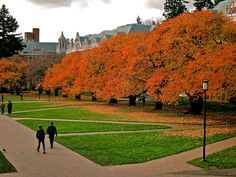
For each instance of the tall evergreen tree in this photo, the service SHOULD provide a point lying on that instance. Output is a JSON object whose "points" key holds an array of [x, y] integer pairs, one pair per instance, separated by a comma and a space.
{"points": [[208, 4], [173, 8], [201, 4], [10, 43], [218, 1], [138, 19]]}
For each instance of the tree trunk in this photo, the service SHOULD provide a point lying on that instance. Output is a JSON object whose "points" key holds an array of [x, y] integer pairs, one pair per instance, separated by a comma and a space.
{"points": [[132, 100], [56, 91], [78, 96], [144, 100], [17, 90], [196, 102], [113, 101], [158, 105], [94, 98]]}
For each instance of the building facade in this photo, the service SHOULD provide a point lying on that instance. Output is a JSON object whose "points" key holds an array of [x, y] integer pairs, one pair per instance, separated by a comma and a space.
{"points": [[228, 7], [34, 48], [81, 43]]}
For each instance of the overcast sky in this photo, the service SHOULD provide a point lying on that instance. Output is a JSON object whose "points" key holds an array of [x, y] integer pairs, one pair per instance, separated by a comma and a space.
{"points": [[83, 16]]}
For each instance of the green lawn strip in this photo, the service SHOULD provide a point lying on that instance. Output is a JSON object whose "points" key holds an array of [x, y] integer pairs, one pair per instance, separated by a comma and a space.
{"points": [[223, 160], [82, 127], [76, 113], [24, 106], [117, 149], [17, 98], [5, 165]]}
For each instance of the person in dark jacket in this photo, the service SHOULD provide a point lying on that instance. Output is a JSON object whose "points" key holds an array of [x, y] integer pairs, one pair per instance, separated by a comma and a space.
{"points": [[40, 135], [9, 107], [2, 98], [52, 131], [2, 107]]}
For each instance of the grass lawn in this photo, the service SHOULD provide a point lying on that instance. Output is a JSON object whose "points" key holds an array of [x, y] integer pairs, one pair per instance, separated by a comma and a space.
{"points": [[76, 113], [222, 160], [5, 165], [116, 149], [81, 127], [23, 106], [17, 97]]}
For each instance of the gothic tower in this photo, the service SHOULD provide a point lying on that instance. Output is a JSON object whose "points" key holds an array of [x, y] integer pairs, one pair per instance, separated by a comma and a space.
{"points": [[77, 42], [62, 44]]}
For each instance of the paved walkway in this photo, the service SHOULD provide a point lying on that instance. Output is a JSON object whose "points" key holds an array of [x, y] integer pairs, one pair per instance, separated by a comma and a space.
{"points": [[20, 144]]}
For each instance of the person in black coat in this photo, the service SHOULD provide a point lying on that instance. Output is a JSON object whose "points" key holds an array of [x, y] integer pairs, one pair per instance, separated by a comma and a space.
{"points": [[9, 107], [40, 135], [52, 131]]}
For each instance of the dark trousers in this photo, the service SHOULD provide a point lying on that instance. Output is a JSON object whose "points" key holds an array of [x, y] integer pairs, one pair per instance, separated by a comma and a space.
{"points": [[43, 143], [51, 138], [9, 111]]}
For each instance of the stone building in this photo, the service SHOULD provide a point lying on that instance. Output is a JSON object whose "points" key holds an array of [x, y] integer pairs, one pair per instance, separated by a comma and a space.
{"points": [[80, 43], [228, 7], [34, 48], [32, 36]]}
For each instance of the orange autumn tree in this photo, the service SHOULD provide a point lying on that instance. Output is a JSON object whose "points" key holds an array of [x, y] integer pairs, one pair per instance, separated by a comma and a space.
{"points": [[12, 73], [63, 74], [109, 73], [178, 45]]}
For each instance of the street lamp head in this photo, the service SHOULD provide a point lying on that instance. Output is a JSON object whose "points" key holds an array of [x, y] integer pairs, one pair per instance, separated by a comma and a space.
{"points": [[205, 85]]}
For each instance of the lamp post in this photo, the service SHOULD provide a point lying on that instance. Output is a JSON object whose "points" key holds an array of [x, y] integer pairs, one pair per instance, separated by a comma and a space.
{"points": [[204, 88], [39, 90], [49, 92]]}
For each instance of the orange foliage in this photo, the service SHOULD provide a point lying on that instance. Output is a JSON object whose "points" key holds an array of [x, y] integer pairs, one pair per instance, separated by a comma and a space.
{"points": [[11, 71], [172, 59], [185, 46]]}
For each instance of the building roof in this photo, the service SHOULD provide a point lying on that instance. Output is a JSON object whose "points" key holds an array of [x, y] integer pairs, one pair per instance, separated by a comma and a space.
{"points": [[133, 28], [222, 6], [40, 46]]}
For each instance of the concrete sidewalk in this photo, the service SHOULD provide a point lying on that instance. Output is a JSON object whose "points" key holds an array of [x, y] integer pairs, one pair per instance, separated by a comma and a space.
{"points": [[20, 144]]}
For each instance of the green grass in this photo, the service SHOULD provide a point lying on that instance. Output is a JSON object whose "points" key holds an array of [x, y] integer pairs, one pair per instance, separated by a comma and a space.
{"points": [[17, 97], [221, 107], [116, 149], [223, 160], [5, 165], [23, 106], [81, 127], [76, 113]]}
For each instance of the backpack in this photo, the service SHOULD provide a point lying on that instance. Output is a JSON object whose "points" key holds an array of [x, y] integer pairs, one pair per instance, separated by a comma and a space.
{"points": [[40, 134]]}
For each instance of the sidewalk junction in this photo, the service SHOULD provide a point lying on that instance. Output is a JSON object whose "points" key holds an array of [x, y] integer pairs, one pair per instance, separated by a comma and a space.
{"points": [[20, 144]]}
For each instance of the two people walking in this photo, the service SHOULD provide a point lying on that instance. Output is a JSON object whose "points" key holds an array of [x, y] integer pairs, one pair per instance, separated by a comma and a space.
{"points": [[9, 107], [40, 135]]}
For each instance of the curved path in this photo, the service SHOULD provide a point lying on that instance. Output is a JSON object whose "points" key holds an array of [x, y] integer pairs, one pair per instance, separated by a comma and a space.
{"points": [[20, 144]]}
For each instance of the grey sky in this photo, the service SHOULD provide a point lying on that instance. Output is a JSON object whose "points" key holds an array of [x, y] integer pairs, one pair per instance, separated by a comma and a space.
{"points": [[62, 3]]}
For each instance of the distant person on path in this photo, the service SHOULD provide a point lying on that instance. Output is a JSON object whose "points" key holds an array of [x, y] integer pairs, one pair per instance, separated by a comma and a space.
{"points": [[40, 135], [52, 131], [21, 97], [2, 98], [2, 107], [9, 107]]}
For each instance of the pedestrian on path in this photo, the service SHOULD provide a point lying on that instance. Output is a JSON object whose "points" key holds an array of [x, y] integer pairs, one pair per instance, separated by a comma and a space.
{"points": [[2, 98], [9, 107], [52, 131], [21, 97], [40, 135], [2, 107]]}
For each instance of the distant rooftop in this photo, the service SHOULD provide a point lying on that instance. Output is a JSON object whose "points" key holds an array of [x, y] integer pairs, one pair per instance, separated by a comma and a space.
{"points": [[46, 47], [126, 29], [222, 6]]}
